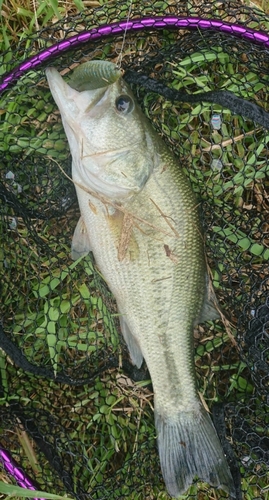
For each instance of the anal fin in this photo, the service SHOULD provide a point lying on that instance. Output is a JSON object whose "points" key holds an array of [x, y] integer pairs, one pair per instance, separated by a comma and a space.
{"points": [[80, 242], [132, 344], [210, 306]]}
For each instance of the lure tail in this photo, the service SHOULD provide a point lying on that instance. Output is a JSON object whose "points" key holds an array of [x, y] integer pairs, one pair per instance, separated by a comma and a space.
{"points": [[189, 447]]}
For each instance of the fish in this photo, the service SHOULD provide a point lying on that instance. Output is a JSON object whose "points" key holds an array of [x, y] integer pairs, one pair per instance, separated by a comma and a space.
{"points": [[140, 219]]}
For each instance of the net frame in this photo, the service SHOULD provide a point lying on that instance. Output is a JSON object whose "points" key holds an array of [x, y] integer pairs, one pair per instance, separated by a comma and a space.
{"points": [[261, 38]]}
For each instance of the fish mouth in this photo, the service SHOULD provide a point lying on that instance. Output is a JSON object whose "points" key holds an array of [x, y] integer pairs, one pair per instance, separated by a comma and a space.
{"points": [[103, 94], [100, 96]]}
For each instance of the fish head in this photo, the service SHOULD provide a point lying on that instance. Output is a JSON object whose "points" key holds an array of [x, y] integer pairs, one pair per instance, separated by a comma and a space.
{"points": [[111, 142]]}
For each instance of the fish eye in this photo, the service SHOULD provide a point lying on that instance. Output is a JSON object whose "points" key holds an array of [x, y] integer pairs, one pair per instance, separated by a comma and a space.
{"points": [[124, 104]]}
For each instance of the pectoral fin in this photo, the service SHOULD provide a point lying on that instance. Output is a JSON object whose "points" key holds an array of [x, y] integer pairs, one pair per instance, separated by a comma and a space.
{"points": [[80, 242], [121, 226], [132, 344]]}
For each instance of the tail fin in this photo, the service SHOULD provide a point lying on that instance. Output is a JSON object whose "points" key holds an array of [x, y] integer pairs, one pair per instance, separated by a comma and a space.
{"points": [[189, 446]]}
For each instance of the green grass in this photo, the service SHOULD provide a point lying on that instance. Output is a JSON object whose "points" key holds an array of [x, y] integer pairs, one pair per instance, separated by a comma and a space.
{"points": [[66, 316], [16, 491]]}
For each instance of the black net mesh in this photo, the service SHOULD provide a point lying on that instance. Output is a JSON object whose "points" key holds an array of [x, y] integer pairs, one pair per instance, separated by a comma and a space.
{"points": [[75, 413]]}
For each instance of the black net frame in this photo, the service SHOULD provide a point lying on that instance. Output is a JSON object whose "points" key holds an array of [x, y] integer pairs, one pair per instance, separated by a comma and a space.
{"points": [[60, 338]]}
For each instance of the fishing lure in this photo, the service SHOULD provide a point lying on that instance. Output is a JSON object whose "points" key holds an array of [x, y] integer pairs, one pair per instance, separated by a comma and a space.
{"points": [[94, 75]]}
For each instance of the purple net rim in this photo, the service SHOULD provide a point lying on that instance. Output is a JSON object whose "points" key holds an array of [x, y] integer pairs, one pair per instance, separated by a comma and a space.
{"points": [[15, 470], [144, 23]]}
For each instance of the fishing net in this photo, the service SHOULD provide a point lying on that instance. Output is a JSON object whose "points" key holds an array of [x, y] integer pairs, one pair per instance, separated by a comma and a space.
{"points": [[75, 415]]}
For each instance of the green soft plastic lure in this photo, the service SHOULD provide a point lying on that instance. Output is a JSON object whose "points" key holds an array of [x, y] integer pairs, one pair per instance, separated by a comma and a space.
{"points": [[93, 75]]}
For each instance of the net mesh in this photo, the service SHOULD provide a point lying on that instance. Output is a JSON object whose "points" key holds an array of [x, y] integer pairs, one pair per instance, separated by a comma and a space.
{"points": [[75, 413]]}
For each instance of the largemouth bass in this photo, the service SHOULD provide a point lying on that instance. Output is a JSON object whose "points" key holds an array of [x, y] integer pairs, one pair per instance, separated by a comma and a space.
{"points": [[140, 219]]}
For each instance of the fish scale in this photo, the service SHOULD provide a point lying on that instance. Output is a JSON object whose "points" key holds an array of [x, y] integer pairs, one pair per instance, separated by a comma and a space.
{"points": [[140, 219]]}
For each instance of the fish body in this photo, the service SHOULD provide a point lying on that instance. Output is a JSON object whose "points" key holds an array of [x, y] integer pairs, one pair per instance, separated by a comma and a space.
{"points": [[139, 217]]}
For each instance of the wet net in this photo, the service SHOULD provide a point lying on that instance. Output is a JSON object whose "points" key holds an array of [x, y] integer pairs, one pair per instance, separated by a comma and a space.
{"points": [[76, 417]]}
